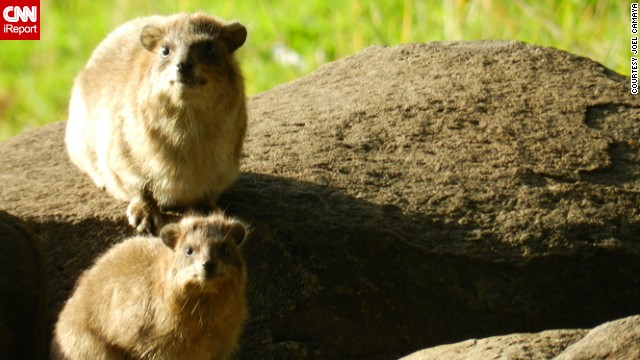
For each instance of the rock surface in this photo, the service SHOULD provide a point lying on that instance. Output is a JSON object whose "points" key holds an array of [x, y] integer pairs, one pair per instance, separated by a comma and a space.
{"points": [[22, 292], [613, 340], [538, 346], [618, 339], [401, 198]]}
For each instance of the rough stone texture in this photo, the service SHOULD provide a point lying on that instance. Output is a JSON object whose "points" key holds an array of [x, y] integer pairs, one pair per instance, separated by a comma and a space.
{"points": [[402, 198], [538, 346], [22, 292], [613, 340], [618, 339]]}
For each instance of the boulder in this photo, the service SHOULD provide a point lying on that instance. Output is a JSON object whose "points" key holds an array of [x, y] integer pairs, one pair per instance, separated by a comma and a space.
{"points": [[23, 323], [537, 346], [401, 198], [618, 339]]}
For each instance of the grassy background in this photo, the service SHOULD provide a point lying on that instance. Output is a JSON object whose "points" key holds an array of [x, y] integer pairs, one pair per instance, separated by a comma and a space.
{"points": [[288, 39]]}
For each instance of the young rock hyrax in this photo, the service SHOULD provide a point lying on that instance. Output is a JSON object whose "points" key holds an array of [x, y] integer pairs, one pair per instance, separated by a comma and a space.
{"points": [[180, 296], [158, 115]]}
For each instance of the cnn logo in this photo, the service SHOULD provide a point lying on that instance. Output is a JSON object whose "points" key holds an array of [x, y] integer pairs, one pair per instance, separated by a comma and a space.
{"points": [[15, 13], [20, 20]]}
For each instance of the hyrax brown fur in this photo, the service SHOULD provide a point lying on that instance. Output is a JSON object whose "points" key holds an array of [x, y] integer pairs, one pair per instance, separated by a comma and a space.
{"points": [[158, 115], [180, 296]]}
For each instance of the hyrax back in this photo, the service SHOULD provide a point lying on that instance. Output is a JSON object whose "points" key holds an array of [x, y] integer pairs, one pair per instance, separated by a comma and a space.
{"points": [[158, 115], [180, 296]]}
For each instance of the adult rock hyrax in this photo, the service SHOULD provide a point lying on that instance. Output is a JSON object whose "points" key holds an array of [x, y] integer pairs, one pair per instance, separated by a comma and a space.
{"points": [[158, 115], [179, 296]]}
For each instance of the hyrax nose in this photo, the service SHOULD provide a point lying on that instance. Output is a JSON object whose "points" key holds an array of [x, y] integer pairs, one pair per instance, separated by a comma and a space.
{"points": [[185, 66], [209, 267]]}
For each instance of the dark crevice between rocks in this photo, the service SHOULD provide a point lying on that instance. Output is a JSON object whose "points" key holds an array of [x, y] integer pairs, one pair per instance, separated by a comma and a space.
{"points": [[23, 292]]}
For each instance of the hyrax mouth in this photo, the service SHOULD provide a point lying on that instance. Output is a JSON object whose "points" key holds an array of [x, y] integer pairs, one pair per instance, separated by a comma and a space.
{"points": [[188, 81], [204, 282]]}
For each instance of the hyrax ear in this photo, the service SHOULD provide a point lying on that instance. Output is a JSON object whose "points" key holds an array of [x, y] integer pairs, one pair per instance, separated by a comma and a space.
{"points": [[234, 35], [236, 232], [150, 37], [170, 234]]}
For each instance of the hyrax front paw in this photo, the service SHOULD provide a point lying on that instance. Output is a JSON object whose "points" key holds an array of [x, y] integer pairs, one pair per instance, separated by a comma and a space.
{"points": [[144, 215]]}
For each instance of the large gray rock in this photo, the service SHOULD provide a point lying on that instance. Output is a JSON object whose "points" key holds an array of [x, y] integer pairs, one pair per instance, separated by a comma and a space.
{"points": [[613, 340], [538, 346], [402, 198], [618, 339]]}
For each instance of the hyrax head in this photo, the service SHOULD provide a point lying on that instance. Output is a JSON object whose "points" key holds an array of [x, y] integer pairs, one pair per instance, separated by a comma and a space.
{"points": [[205, 251], [194, 52]]}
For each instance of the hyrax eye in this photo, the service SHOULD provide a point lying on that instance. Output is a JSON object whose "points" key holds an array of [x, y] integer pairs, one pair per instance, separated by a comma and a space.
{"points": [[225, 251], [213, 52], [188, 251], [164, 51]]}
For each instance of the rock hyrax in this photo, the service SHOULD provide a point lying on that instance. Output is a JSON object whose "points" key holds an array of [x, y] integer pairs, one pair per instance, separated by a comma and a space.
{"points": [[179, 296], [158, 115]]}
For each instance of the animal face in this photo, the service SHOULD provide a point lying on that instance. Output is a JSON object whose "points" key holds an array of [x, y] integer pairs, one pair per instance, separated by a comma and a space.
{"points": [[205, 252], [193, 55]]}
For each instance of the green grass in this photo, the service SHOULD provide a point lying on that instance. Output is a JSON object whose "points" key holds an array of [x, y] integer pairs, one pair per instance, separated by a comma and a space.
{"points": [[36, 76]]}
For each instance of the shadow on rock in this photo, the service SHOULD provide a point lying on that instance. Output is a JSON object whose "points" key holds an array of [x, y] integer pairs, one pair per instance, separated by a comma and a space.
{"points": [[69, 249], [333, 276], [23, 297]]}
